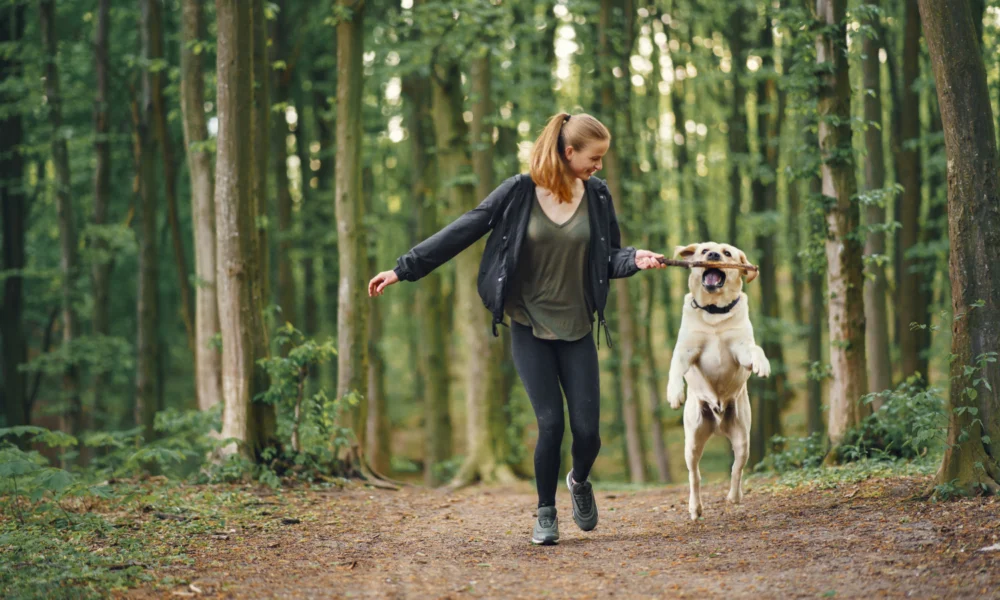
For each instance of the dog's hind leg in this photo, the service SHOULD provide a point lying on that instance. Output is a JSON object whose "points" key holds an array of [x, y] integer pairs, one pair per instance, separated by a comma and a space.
{"points": [[694, 444], [738, 432]]}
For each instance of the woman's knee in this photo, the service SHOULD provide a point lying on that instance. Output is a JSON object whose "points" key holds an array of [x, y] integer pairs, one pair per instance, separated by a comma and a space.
{"points": [[551, 429], [589, 440]]}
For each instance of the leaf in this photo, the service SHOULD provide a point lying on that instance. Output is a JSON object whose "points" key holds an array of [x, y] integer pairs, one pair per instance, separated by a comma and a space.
{"points": [[17, 468], [55, 480]]}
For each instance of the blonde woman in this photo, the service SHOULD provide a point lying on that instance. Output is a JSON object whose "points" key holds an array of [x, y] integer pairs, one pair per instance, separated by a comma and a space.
{"points": [[554, 247]]}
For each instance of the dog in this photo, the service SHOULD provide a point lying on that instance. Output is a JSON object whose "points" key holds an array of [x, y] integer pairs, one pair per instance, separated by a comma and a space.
{"points": [[715, 354]]}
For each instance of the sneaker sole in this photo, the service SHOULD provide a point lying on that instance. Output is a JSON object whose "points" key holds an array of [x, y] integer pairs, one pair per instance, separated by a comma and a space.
{"points": [[544, 542]]}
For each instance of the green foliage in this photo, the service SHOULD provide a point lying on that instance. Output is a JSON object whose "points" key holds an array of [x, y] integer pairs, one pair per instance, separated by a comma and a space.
{"points": [[789, 454], [910, 423]]}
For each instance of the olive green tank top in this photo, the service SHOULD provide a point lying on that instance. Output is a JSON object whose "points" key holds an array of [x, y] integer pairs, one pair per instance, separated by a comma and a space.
{"points": [[547, 291]]}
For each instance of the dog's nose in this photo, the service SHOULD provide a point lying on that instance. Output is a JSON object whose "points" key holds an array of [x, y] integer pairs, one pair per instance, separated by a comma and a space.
{"points": [[714, 256]]}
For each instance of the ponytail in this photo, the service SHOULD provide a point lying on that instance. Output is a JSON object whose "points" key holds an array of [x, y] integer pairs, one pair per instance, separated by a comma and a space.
{"points": [[548, 159]]}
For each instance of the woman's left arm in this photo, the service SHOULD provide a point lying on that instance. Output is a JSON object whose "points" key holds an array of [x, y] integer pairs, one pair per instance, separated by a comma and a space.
{"points": [[627, 261]]}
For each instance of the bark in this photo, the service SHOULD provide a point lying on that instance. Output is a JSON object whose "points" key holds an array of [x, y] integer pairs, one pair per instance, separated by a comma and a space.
{"points": [[72, 420], [616, 166], [379, 434], [737, 121], [240, 314], [207, 358], [147, 343], [261, 134], [279, 147], [972, 465], [162, 132], [100, 272], [430, 300], [793, 227], [310, 306], [876, 286], [769, 393], [14, 207], [352, 367], [843, 251], [912, 342], [486, 451]]}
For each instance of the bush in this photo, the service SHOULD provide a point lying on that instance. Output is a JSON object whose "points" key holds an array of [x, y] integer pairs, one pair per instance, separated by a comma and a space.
{"points": [[910, 424]]}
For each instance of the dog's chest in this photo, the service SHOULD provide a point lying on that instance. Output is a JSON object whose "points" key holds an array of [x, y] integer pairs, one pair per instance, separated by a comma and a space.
{"points": [[719, 366]]}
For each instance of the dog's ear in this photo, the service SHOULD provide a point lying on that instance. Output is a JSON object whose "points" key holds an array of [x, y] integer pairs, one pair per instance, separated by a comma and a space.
{"points": [[685, 251], [750, 275]]}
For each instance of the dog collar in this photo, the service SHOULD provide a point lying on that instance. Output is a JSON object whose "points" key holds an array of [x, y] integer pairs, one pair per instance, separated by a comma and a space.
{"points": [[713, 309]]}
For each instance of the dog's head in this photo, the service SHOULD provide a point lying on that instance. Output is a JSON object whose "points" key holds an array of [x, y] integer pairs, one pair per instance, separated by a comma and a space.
{"points": [[715, 286]]}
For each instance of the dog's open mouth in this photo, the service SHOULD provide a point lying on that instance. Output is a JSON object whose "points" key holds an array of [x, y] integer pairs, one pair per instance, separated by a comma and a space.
{"points": [[713, 279]]}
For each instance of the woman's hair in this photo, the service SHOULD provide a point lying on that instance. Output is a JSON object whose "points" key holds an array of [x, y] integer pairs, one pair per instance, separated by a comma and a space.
{"points": [[548, 161]]}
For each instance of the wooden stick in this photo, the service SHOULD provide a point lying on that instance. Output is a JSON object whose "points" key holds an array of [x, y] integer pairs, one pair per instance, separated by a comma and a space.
{"points": [[708, 265]]}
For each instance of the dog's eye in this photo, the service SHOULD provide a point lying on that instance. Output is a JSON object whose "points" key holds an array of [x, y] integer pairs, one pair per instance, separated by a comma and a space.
{"points": [[705, 251], [726, 252]]}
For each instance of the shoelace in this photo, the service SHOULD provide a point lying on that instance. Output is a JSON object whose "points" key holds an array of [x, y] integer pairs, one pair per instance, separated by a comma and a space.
{"points": [[583, 496], [546, 521]]}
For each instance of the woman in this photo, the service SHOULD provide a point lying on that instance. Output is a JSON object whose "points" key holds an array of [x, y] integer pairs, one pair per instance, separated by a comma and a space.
{"points": [[555, 247]]}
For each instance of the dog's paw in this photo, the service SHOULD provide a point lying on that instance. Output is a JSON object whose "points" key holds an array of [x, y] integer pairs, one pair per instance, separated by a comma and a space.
{"points": [[694, 510], [675, 395], [761, 366], [735, 496]]}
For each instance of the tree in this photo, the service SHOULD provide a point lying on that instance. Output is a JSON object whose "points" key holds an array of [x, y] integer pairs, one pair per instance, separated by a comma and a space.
{"points": [[617, 168], [207, 359], [876, 286], [14, 206], [68, 262], [352, 351], [737, 121], [282, 83], [486, 423], [261, 126], [910, 306], [843, 251], [147, 344], [971, 461], [240, 313]]}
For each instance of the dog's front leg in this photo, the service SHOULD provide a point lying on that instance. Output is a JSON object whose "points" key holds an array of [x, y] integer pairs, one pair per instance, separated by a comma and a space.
{"points": [[751, 356], [680, 362]]}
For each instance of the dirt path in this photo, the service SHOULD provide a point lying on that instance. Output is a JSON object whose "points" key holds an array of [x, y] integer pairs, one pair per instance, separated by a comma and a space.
{"points": [[866, 540]]}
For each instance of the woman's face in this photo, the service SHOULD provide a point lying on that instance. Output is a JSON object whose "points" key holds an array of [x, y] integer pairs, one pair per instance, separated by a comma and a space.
{"points": [[587, 160]]}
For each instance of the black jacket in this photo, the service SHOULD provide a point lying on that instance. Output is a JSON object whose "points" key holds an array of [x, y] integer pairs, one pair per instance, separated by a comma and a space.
{"points": [[505, 211]]}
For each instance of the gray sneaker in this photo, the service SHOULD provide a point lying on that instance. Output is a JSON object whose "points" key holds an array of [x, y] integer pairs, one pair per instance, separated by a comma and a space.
{"points": [[546, 527], [584, 505]]}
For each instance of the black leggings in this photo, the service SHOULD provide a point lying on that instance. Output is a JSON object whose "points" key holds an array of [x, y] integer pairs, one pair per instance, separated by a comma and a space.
{"points": [[542, 366]]}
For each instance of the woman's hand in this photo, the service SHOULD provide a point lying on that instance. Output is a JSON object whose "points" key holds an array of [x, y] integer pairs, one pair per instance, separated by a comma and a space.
{"points": [[381, 281], [644, 259]]}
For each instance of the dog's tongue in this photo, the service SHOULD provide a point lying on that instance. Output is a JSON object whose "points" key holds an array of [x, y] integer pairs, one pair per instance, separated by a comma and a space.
{"points": [[713, 278]]}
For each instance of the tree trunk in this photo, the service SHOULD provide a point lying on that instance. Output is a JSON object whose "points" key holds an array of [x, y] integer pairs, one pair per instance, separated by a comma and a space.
{"points": [[279, 147], [876, 286], [148, 311], [13, 211], [432, 361], [207, 358], [738, 20], [352, 367], [240, 314], [310, 306], [486, 448], [261, 132], [379, 434], [616, 168], [162, 132], [72, 420], [843, 250], [971, 461], [909, 280], [100, 271], [770, 393]]}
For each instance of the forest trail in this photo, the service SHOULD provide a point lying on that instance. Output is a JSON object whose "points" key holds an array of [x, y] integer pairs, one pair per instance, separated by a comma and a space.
{"points": [[862, 540]]}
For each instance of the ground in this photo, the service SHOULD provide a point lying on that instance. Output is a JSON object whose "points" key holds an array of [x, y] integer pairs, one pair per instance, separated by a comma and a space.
{"points": [[867, 539]]}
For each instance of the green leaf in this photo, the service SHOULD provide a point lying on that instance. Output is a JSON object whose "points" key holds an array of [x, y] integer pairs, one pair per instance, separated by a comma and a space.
{"points": [[17, 467]]}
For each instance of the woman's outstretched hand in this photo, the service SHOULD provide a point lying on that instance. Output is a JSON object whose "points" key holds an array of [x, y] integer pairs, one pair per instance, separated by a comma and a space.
{"points": [[380, 282], [644, 259]]}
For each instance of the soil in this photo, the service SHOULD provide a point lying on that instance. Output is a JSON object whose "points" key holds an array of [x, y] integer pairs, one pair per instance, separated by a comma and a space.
{"points": [[872, 539]]}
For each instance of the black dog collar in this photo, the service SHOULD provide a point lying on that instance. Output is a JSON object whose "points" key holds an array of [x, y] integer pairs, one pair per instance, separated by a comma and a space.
{"points": [[713, 309]]}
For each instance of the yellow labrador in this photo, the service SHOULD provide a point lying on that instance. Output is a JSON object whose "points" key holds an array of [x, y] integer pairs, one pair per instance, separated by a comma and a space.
{"points": [[715, 354]]}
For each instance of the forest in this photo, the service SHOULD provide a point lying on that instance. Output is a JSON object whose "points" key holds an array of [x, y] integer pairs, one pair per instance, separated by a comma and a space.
{"points": [[199, 397]]}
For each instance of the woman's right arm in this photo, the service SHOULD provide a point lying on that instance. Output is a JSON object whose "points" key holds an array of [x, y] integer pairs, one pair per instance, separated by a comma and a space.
{"points": [[447, 243]]}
